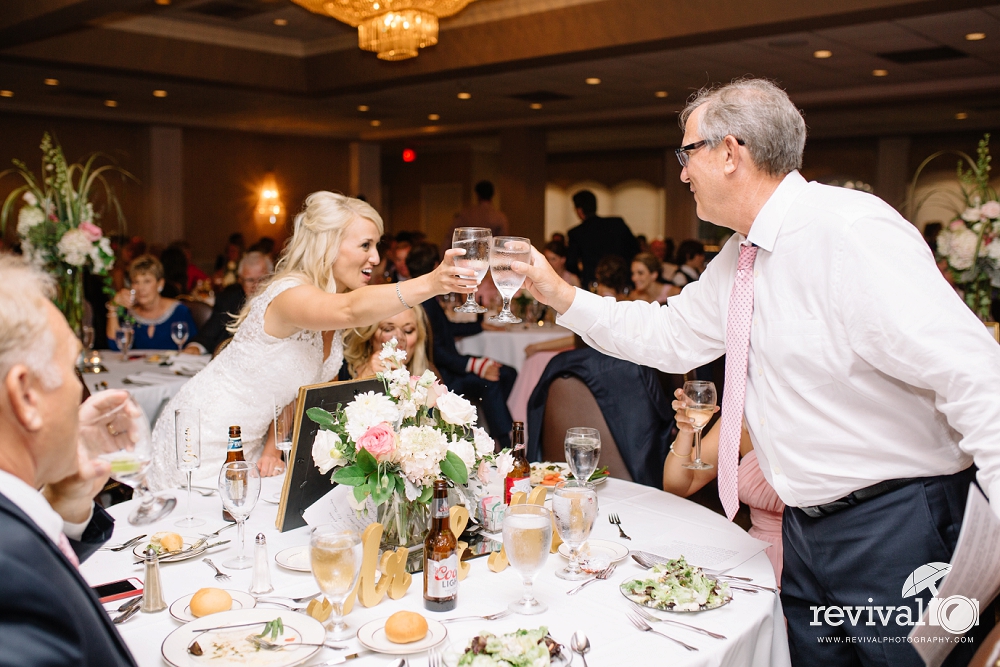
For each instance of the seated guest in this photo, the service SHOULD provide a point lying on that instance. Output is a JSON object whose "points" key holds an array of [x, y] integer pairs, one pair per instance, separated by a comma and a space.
{"points": [[363, 346], [254, 269], [153, 314], [194, 274], [646, 270], [612, 276], [691, 257], [48, 517], [556, 252], [473, 377]]}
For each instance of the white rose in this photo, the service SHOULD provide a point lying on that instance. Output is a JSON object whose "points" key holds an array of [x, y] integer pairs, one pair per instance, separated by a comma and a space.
{"points": [[991, 209], [456, 410], [972, 214], [484, 443], [465, 451], [505, 463], [328, 451]]}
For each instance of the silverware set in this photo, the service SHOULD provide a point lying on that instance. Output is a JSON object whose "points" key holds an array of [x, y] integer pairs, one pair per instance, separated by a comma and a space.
{"points": [[434, 658], [123, 545], [219, 574], [127, 610], [600, 576], [306, 598], [487, 617], [613, 518], [647, 616], [638, 622]]}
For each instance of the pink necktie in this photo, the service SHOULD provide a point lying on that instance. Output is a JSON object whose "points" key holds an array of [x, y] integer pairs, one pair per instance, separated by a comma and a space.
{"points": [[64, 546], [737, 350]]}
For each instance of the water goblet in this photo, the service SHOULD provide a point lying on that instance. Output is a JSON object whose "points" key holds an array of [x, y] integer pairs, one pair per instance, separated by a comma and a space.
{"points": [[574, 507], [583, 450], [179, 332], [187, 438], [476, 243], [701, 399], [527, 539], [335, 559], [124, 337], [507, 249], [239, 486]]}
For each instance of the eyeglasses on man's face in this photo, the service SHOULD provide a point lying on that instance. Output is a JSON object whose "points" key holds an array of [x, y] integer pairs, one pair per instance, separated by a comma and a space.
{"points": [[684, 152]]}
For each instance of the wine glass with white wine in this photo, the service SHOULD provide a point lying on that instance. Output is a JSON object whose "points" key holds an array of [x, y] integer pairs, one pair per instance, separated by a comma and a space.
{"points": [[701, 401], [335, 559], [475, 241], [505, 250]]}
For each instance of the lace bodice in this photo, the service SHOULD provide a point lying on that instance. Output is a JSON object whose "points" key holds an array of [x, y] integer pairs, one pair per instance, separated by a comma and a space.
{"points": [[239, 387]]}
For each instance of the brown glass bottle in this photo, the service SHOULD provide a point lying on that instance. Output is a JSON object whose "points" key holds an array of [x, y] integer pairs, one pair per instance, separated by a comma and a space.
{"points": [[519, 478], [234, 452], [440, 557]]}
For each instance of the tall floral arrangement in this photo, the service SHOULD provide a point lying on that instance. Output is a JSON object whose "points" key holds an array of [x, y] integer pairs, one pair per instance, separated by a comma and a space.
{"points": [[57, 224]]}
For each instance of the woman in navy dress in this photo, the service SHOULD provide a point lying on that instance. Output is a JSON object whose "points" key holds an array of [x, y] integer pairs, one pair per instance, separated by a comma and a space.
{"points": [[152, 313]]}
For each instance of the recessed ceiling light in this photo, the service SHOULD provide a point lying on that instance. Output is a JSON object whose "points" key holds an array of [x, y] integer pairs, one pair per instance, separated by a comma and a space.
{"points": [[961, 115], [822, 53], [592, 81], [433, 116], [661, 93], [362, 107], [465, 96], [536, 105], [281, 22], [51, 82], [159, 93], [880, 72], [6, 93], [110, 103], [975, 36], [376, 123]]}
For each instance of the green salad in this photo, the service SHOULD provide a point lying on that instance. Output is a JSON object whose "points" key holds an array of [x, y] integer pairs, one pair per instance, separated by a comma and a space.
{"points": [[522, 648], [677, 586]]}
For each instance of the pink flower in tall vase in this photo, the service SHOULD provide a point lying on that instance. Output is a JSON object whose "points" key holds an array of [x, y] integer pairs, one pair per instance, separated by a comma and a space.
{"points": [[380, 441], [91, 231]]}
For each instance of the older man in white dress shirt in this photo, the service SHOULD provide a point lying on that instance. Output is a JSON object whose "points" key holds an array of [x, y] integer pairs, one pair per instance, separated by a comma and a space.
{"points": [[867, 386]]}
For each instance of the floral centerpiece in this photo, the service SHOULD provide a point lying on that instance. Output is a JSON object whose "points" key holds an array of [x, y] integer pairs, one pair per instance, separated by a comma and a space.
{"points": [[392, 446], [57, 224]]}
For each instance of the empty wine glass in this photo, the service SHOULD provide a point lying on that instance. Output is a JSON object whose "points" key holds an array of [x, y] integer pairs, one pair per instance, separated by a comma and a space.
{"points": [[475, 241], [527, 539], [335, 558], [124, 337], [87, 337], [187, 436], [239, 486], [179, 332], [507, 249], [583, 450], [701, 398], [574, 507], [284, 427]]}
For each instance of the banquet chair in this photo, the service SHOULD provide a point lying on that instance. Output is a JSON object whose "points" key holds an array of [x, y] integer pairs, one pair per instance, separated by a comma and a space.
{"points": [[200, 311]]}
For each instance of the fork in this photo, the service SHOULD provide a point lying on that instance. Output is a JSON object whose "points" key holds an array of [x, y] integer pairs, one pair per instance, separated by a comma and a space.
{"points": [[487, 617], [613, 518], [305, 598], [267, 645], [646, 627], [647, 616], [123, 545], [204, 492], [433, 658], [219, 574], [601, 576]]}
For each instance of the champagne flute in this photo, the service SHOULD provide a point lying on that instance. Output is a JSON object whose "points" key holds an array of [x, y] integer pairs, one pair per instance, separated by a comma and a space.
{"points": [[574, 507], [527, 539], [583, 450], [87, 338], [179, 332], [335, 559], [476, 243], [701, 398], [239, 486], [187, 437], [124, 337], [507, 249], [284, 426]]}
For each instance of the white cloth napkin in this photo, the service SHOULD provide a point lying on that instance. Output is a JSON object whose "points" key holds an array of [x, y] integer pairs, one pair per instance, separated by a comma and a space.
{"points": [[149, 378], [189, 364]]}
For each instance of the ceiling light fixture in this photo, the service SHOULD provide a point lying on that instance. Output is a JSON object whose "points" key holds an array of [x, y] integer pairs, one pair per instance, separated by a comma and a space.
{"points": [[961, 115], [270, 209], [159, 93], [536, 105], [592, 81], [6, 93], [880, 72], [362, 107], [110, 103], [465, 96], [281, 22], [376, 123], [393, 29], [163, 3], [661, 93], [975, 36], [433, 116], [51, 82], [822, 53]]}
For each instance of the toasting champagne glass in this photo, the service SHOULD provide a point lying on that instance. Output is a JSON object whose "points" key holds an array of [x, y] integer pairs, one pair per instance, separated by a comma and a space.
{"points": [[239, 486], [574, 507], [701, 398], [527, 539], [476, 243], [507, 249], [179, 332], [187, 437], [284, 425], [583, 450], [335, 559]]}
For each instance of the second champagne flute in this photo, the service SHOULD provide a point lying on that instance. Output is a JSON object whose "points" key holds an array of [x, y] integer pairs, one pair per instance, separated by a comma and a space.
{"points": [[507, 249], [239, 486], [701, 398], [187, 434], [527, 539], [335, 559], [475, 241]]}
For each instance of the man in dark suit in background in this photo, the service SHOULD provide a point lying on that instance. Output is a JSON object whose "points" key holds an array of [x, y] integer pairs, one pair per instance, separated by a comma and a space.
{"points": [[595, 238], [48, 613]]}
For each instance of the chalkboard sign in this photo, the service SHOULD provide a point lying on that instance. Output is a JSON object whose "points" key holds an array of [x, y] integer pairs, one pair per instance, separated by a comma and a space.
{"points": [[304, 483]]}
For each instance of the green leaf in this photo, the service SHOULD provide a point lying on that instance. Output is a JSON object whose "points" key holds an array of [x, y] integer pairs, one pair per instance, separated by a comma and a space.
{"points": [[425, 495], [321, 417], [361, 492], [366, 461], [454, 468], [350, 476], [400, 484]]}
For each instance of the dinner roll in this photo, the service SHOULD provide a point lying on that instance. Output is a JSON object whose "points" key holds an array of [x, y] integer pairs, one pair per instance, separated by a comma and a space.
{"points": [[168, 541], [405, 627], [210, 601]]}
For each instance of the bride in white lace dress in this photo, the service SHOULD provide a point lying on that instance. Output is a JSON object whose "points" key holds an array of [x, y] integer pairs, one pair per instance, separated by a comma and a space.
{"points": [[288, 335]]}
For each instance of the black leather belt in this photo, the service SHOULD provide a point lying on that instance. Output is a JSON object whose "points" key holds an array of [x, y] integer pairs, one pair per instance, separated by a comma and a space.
{"points": [[856, 498]]}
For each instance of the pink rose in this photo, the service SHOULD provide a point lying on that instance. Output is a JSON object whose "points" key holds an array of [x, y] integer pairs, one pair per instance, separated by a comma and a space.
{"points": [[380, 441], [990, 209], [955, 225], [91, 231], [435, 391]]}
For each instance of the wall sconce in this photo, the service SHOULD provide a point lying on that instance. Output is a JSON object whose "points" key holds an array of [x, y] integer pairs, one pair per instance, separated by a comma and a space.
{"points": [[270, 209]]}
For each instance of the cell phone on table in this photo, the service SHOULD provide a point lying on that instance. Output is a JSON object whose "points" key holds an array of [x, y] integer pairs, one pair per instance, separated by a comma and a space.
{"points": [[119, 590]]}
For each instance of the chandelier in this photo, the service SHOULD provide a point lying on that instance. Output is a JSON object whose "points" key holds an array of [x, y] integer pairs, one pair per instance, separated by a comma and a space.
{"points": [[394, 29]]}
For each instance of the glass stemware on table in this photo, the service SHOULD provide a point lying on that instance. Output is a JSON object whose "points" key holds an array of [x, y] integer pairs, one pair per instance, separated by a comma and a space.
{"points": [[574, 507], [701, 400], [527, 539], [583, 451], [476, 242], [507, 249], [239, 486], [124, 337], [284, 427], [335, 559], [179, 332], [187, 434]]}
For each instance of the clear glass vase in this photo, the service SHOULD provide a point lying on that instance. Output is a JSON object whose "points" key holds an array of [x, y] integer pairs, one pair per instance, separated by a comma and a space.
{"points": [[69, 295], [404, 523]]}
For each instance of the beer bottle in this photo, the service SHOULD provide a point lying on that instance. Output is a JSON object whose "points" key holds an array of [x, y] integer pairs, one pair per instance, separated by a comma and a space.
{"points": [[519, 478], [440, 557], [234, 452]]}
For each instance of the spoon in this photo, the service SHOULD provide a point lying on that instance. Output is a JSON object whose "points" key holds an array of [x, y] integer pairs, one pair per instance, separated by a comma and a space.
{"points": [[580, 644]]}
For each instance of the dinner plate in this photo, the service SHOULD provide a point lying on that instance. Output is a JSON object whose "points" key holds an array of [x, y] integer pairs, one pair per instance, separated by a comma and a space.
{"points": [[228, 647], [372, 636], [601, 551], [562, 469], [181, 608], [294, 558], [637, 600], [166, 556]]}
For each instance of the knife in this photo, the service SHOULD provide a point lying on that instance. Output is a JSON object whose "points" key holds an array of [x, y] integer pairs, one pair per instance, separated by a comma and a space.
{"points": [[131, 603], [171, 556], [118, 620]]}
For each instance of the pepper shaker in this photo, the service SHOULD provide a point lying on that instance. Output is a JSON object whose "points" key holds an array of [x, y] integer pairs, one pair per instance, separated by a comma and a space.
{"points": [[261, 572], [152, 594]]}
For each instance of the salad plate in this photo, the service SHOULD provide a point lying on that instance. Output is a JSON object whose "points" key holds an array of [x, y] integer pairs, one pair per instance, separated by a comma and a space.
{"points": [[527, 643], [600, 553], [371, 635], [294, 558], [676, 586]]}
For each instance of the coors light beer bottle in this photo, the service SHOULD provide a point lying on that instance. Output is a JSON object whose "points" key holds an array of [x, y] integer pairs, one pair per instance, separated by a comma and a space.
{"points": [[440, 558], [519, 478]]}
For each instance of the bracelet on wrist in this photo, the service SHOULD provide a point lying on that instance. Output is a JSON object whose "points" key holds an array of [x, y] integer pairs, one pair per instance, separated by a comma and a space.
{"points": [[680, 456]]}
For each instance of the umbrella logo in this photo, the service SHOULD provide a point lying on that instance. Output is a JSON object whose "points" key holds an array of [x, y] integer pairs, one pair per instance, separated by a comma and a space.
{"points": [[925, 578], [956, 613]]}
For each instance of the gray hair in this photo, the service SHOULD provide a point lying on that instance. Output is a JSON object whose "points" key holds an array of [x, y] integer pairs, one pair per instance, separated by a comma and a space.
{"points": [[255, 258], [25, 337], [758, 112]]}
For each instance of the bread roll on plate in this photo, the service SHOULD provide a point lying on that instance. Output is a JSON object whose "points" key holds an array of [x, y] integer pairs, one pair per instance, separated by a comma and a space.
{"points": [[210, 601], [405, 627]]}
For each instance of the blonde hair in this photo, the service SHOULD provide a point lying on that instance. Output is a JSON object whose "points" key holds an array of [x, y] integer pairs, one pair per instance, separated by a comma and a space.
{"points": [[147, 264], [314, 246], [25, 337], [359, 346]]}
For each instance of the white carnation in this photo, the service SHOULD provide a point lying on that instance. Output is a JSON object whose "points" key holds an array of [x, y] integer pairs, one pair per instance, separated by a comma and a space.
{"points": [[367, 410], [962, 249], [328, 451], [421, 450], [28, 217], [505, 463], [465, 451], [484, 443], [972, 214], [456, 410], [74, 247]]}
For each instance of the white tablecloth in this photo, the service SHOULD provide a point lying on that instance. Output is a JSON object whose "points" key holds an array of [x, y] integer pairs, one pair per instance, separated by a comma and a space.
{"points": [[507, 346], [753, 624], [164, 384]]}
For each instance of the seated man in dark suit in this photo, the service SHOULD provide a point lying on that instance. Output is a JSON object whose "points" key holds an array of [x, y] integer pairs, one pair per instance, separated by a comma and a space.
{"points": [[473, 377], [48, 613], [253, 269], [595, 238]]}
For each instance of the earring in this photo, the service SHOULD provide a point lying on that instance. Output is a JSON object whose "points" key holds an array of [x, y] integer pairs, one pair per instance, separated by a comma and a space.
{"points": [[159, 290]]}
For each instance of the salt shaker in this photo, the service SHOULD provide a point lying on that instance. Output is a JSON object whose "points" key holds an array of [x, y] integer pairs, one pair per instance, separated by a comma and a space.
{"points": [[261, 573], [152, 594]]}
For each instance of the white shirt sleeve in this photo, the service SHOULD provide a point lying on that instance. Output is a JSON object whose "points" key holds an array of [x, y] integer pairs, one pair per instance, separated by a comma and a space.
{"points": [[74, 531]]}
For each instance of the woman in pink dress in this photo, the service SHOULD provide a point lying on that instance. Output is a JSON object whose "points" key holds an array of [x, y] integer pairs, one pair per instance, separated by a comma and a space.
{"points": [[766, 507]]}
